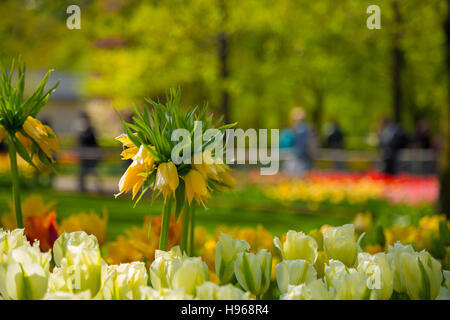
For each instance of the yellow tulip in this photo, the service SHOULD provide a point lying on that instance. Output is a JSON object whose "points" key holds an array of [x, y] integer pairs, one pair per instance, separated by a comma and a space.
{"points": [[167, 178], [143, 162], [129, 148], [42, 135], [196, 187]]}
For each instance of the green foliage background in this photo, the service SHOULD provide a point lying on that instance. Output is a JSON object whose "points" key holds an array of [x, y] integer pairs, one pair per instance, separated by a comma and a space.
{"points": [[316, 54]]}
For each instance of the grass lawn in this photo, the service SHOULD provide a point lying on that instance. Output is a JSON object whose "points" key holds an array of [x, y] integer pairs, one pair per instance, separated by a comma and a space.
{"points": [[244, 208]]}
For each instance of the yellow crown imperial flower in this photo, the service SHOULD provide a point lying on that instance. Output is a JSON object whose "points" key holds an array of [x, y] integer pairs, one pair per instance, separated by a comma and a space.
{"points": [[133, 179], [167, 178], [129, 148], [208, 167], [196, 187], [43, 135]]}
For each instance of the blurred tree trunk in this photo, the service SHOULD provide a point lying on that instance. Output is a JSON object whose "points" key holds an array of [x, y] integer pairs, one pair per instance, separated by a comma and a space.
{"points": [[444, 195], [398, 62], [316, 115], [223, 63]]}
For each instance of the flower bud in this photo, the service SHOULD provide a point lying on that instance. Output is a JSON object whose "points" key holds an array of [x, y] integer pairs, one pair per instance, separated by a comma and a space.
{"points": [[67, 241], [294, 272], [340, 244], [226, 253], [297, 246], [347, 283], [188, 273], [423, 275], [123, 281], [253, 271], [159, 269], [173, 271], [25, 273], [380, 276], [78, 258]]}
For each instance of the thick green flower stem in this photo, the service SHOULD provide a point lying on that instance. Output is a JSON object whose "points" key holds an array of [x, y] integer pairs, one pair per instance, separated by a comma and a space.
{"points": [[15, 183], [191, 229], [165, 224], [185, 229]]}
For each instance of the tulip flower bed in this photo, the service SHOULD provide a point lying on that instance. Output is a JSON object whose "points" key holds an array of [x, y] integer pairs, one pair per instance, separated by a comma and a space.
{"points": [[353, 188], [318, 266]]}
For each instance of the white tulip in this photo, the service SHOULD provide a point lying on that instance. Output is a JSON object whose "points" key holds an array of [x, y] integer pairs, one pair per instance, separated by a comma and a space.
{"points": [[348, 283], [297, 246], [380, 276], [226, 253], [122, 282], [340, 244], [294, 272], [313, 290]]}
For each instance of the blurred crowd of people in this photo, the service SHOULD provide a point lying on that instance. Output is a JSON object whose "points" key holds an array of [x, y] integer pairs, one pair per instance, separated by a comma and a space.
{"points": [[304, 140]]}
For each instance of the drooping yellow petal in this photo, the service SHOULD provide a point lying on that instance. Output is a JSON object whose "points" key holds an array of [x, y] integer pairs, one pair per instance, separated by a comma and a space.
{"points": [[196, 188], [129, 148], [131, 180], [167, 178], [40, 134], [131, 177]]}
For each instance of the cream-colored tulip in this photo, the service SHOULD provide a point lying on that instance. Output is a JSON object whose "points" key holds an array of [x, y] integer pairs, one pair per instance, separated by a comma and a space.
{"points": [[380, 276], [173, 271], [160, 267], [70, 241], [347, 283], [212, 291], [339, 244], [394, 254], [10, 240], [189, 273], [79, 264], [423, 275], [253, 271], [24, 276], [297, 246], [122, 281], [227, 250], [313, 290], [294, 273]]}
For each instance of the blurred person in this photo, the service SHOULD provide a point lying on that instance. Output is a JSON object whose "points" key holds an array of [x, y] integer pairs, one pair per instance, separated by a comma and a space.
{"points": [[334, 136], [304, 143], [287, 139], [89, 151], [392, 139], [422, 136]]}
